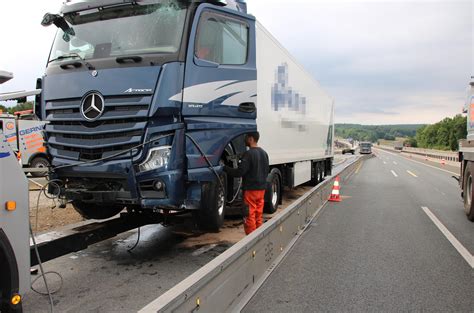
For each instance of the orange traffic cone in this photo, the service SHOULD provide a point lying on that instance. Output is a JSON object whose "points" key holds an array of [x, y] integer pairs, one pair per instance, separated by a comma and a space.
{"points": [[335, 197], [443, 161]]}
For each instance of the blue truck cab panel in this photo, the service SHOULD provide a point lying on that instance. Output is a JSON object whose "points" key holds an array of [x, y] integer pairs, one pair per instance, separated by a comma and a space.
{"points": [[140, 118]]}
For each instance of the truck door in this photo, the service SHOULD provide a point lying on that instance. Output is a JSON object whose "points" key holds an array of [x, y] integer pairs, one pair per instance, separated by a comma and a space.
{"points": [[220, 77]]}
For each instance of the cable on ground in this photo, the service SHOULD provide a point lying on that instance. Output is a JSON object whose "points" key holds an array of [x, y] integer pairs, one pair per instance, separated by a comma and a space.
{"points": [[136, 243]]}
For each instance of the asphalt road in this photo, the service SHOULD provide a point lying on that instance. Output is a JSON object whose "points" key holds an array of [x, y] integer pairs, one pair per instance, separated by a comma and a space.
{"points": [[379, 250], [106, 277]]}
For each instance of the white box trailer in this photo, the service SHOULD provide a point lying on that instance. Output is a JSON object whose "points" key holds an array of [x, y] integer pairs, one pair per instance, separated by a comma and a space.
{"points": [[298, 127]]}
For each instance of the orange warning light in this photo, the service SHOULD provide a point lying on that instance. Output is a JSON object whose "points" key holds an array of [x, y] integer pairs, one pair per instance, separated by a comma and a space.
{"points": [[10, 205], [16, 299]]}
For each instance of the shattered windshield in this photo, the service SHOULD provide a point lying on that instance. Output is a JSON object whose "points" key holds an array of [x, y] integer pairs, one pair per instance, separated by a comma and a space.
{"points": [[123, 30]]}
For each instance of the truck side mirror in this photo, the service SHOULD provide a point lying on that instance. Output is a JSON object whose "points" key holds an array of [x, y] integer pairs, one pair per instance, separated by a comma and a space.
{"points": [[59, 21], [49, 19], [21, 100]]}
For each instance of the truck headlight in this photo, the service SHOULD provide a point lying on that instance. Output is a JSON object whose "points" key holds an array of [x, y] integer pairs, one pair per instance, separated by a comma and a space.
{"points": [[157, 157]]}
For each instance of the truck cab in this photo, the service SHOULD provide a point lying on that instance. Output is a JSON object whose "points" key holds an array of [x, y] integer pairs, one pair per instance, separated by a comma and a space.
{"points": [[365, 147], [145, 101]]}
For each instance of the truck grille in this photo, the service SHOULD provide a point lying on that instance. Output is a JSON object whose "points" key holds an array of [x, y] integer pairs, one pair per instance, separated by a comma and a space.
{"points": [[120, 128]]}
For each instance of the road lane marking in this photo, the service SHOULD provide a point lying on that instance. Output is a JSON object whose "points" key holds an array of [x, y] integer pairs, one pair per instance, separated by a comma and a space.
{"points": [[394, 174], [358, 167], [411, 173], [441, 169], [394, 162], [457, 245]]}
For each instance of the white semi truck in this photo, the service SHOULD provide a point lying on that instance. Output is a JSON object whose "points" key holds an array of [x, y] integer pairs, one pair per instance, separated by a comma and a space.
{"points": [[466, 154], [146, 122]]}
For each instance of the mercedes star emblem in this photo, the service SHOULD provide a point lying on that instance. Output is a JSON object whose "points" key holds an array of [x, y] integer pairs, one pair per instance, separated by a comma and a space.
{"points": [[92, 106]]}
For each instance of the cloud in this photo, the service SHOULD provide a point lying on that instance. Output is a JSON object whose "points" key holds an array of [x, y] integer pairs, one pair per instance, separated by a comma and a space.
{"points": [[25, 43], [382, 61]]}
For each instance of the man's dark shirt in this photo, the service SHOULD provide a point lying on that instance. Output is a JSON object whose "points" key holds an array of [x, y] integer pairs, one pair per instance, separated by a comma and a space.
{"points": [[253, 169]]}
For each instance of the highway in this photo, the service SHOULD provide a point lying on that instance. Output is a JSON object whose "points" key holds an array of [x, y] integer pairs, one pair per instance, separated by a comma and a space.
{"points": [[107, 277], [398, 241]]}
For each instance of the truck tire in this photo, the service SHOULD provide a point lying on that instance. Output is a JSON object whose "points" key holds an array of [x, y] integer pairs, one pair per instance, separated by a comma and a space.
{"points": [[321, 172], [273, 192], [96, 211], [39, 162], [213, 201], [316, 179], [468, 186]]}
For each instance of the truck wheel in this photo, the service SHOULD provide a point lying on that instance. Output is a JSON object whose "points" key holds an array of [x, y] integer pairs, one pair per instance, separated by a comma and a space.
{"points": [[273, 192], [96, 211], [468, 191], [213, 201], [40, 162]]}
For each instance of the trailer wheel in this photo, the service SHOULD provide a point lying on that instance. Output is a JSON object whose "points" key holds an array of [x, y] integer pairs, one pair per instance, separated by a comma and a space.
{"points": [[273, 192], [328, 167], [468, 191], [321, 172], [96, 211], [213, 201], [39, 162]]}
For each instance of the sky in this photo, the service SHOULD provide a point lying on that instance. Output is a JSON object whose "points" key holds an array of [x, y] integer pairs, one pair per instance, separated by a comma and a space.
{"points": [[384, 62]]}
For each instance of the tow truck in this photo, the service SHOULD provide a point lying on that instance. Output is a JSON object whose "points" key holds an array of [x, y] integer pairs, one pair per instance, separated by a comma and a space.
{"points": [[14, 227], [24, 132]]}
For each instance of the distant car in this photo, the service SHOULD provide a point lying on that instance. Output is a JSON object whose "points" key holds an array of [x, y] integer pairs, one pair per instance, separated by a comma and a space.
{"points": [[348, 150]]}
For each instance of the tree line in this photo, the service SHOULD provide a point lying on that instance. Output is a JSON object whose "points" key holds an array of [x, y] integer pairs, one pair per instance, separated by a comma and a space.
{"points": [[28, 105], [443, 135], [373, 133]]}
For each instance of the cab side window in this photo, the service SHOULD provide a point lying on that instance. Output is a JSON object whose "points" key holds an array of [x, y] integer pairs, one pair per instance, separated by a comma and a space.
{"points": [[222, 40]]}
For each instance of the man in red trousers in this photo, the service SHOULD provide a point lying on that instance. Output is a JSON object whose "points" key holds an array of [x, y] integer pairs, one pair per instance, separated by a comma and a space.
{"points": [[253, 169]]}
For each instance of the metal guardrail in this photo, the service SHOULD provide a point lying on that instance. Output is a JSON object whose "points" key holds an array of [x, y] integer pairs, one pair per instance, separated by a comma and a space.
{"points": [[435, 154], [228, 282], [430, 153]]}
